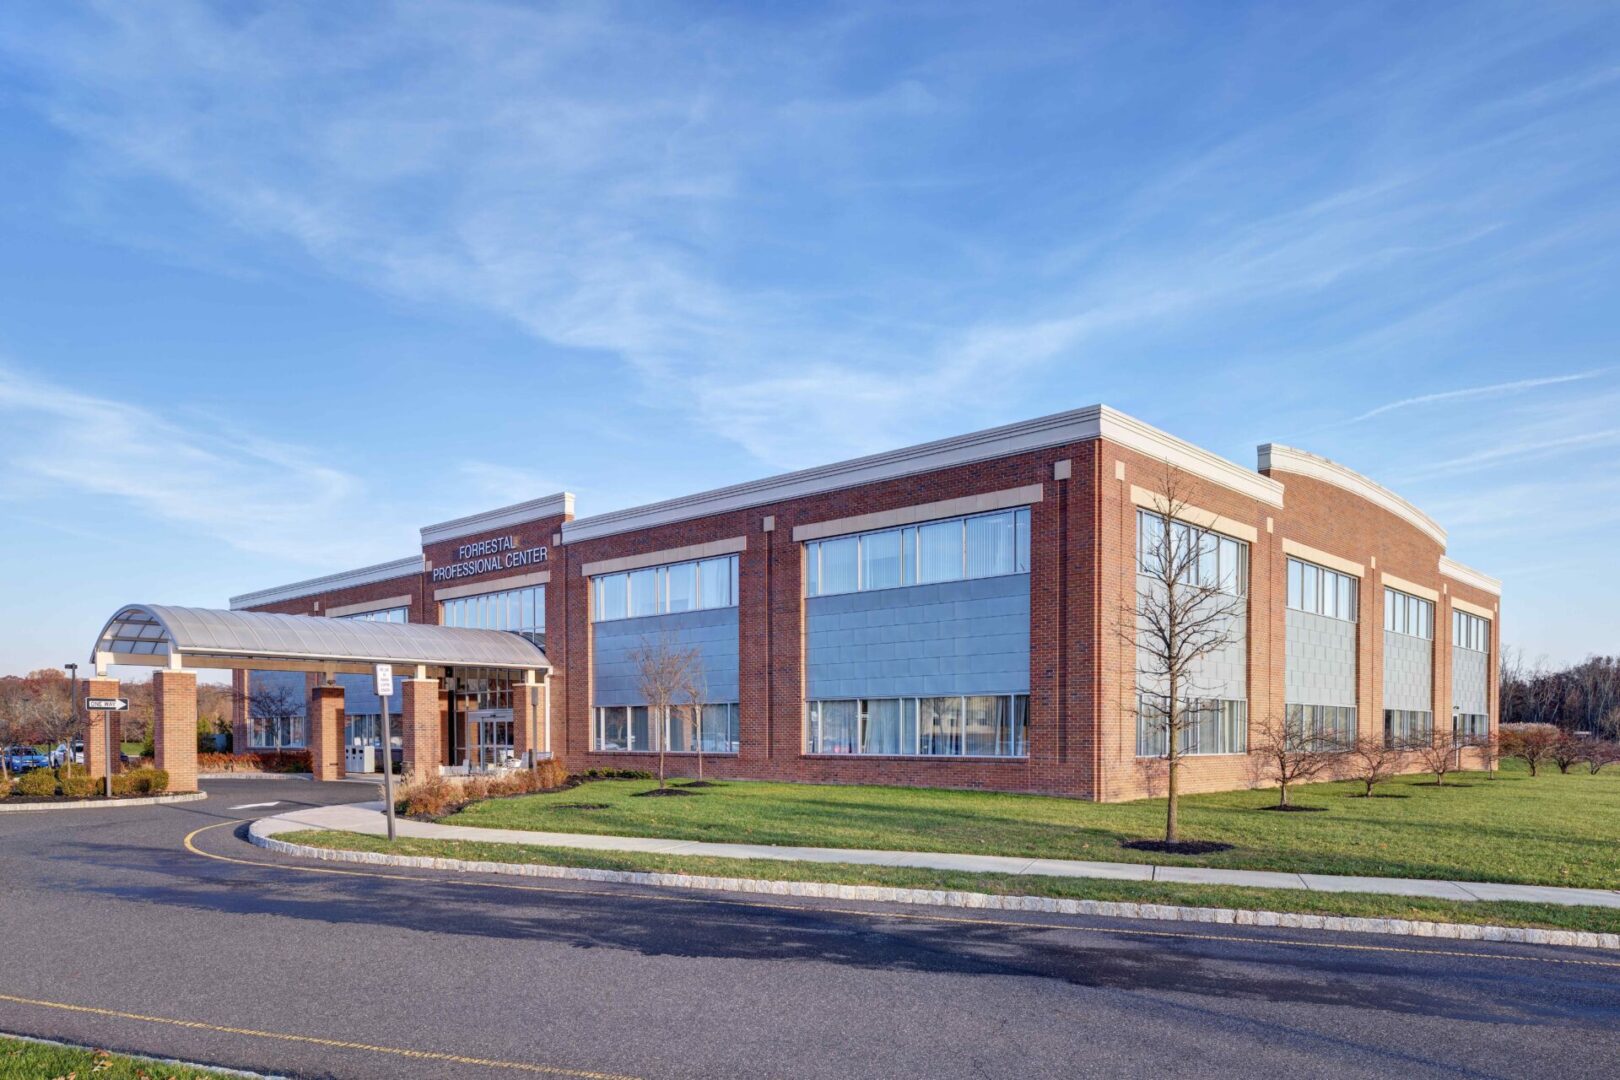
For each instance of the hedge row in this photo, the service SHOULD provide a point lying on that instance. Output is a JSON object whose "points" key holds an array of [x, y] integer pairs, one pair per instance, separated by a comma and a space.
{"points": [[75, 783]]}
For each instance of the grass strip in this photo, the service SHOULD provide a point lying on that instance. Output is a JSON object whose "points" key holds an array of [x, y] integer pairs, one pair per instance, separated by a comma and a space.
{"points": [[1356, 905], [1552, 829], [24, 1060]]}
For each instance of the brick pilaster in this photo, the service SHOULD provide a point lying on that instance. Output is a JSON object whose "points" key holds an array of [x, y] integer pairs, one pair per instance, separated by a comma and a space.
{"points": [[419, 728], [325, 714], [95, 729], [174, 727]]}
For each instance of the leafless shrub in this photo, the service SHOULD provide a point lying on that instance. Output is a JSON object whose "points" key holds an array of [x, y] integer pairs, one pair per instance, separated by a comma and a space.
{"points": [[1531, 743]]}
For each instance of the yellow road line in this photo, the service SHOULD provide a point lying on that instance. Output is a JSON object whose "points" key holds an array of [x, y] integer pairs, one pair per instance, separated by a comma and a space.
{"points": [[316, 1040], [1026, 924]]}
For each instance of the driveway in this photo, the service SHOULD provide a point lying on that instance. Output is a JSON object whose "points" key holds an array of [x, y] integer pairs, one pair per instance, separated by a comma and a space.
{"points": [[118, 935]]}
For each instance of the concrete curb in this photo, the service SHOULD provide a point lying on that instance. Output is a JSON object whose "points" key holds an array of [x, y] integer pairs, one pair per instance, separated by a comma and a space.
{"points": [[980, 901], [104, 804]]}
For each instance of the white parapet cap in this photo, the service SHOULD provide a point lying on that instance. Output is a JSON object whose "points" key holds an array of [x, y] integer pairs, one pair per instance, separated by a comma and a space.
{"points": [[1467, 575], [1275, 457], [559, 505], [1059, 429], [366, 575]]}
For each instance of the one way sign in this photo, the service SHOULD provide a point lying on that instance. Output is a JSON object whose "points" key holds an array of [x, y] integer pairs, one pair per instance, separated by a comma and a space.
{"points": [[106, 704]]}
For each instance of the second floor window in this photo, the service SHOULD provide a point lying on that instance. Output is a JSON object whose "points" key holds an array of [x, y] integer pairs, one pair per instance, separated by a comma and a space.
{"points": [[1470, 631], [664, 590], [1321, 591], [984, 545], [1220, 562], [1408, 614]]}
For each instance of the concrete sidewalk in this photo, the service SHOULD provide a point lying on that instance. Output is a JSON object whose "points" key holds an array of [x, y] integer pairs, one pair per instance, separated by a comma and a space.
{"points": [[368, 818]]}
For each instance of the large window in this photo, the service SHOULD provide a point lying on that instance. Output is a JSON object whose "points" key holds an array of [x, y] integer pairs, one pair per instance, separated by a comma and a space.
{"points": [[1323, 727], [636, 729], [1222, 562], [984, 545], [277, 733], [974, 725], [1470, 631], [1470, 728], [393, 615], [1208, 726], [1321, 591], [663, 590], [1408, 727], [1408, 614], [519, 610]]}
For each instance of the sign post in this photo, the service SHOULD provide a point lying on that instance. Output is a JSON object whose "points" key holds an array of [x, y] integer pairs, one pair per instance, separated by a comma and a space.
{"points": [[103, 705], [385, 689]]}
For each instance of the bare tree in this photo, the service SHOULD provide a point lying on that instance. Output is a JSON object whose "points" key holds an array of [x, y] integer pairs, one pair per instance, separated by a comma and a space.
{"points": [[1438, 754], [1601, 752], [1286, 754], [271, 702], [1532, 743], [663, 675], [694, 698], [1567, 751], [1185, 612], [1371, 760]]}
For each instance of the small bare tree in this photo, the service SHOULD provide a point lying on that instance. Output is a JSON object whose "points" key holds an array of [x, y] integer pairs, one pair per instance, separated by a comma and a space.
{"points": [[694, 698], [1532, 743], [1286, 754], [1601, 752], [270, 702], [663, 674], [1370, 761], [1438, 754], [1183, 614], [1567, 751]]}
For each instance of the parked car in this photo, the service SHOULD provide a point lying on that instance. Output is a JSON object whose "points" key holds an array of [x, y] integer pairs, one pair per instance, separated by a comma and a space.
{"points": [[19, 759], [60, 754]]}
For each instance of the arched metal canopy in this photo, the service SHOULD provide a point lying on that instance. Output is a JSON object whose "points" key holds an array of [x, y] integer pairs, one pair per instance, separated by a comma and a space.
{"points": [[152, 635]]}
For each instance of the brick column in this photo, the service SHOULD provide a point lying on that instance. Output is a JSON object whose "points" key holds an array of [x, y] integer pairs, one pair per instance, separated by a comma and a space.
{"points": [[174, 727], [325, 713], [528, 719], [95, 729], [239, 711], [419, 729]]}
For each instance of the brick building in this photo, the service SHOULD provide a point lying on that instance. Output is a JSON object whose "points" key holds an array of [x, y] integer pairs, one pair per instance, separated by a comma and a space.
{"points": [[946, 614]]}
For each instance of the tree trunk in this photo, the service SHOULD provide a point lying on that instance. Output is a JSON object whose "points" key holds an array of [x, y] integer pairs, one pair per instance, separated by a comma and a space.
{"points": [[1282, 798], [1172, 789]]}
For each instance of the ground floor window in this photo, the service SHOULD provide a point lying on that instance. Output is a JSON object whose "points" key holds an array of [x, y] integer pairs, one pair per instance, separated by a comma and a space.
{"points": [[638, 729], [362, 729], [1327, 727], [1470, 728], [973, 725], [1408, 727], [1207, 726], [277, 733]]}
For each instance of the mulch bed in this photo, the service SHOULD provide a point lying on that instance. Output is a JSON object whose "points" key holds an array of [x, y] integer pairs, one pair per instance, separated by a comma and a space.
{"points": [[655, 792], [1178, 847], [701, 783], [1292, 809], [580, 806]]}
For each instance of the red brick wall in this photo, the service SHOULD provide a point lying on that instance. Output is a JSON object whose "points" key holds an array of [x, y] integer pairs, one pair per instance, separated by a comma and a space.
{"points": [[1082, 586]]}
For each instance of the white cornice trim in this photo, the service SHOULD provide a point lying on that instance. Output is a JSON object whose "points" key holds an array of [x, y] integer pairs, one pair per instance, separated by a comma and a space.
{"points": [[1274, 457], [1467, 575], [1133, 434], [1058, 429], [558, 505], [332, 582]]}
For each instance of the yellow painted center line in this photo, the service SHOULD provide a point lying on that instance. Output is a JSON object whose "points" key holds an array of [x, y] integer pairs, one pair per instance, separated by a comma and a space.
{"points": [[316, 1040], [905, 915]]}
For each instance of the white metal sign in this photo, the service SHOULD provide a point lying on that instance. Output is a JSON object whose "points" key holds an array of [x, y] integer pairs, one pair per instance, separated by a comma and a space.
{"points": [[385, 680], [106, 704]]}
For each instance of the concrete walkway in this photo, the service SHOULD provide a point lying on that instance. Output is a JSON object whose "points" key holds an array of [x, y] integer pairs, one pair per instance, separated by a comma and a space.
{"points": [[367, 818]]}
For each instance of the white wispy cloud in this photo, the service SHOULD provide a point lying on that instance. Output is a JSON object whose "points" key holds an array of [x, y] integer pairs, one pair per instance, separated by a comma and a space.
{"points": [[254, 493], [1467, 392]]}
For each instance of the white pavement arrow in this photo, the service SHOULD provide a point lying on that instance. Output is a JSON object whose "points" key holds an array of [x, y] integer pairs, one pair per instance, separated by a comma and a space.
{"points": [[253, 805]]}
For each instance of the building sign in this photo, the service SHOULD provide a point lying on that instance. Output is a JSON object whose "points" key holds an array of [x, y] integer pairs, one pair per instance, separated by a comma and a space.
{"points": [[482, 556]]}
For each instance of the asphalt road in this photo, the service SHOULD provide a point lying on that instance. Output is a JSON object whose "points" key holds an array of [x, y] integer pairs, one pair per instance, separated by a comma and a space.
{"points": [[112, 933]]}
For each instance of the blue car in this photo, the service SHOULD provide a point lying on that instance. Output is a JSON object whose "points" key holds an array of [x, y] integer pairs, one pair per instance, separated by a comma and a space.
{"points": [[19, 759]]}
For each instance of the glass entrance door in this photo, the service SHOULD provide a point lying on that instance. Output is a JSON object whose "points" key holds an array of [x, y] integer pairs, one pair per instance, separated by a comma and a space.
{"points": [[492, 729]]}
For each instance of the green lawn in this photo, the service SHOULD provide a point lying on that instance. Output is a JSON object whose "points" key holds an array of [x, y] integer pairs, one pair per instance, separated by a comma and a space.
{"points": [[21, 1060], [1550, 830], [1360, 905]]}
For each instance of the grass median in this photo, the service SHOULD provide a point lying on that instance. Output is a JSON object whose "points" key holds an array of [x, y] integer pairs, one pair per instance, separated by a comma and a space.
{"points": [[1553, 829], [24, 1060], [1360, 905]]}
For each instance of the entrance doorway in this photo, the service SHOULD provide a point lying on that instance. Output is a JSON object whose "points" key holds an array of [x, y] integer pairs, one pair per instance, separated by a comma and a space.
{"points": [[492, 736]]}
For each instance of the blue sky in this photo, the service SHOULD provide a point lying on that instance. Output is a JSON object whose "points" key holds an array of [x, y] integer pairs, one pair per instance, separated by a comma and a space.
{"points": [[280, 282]]}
